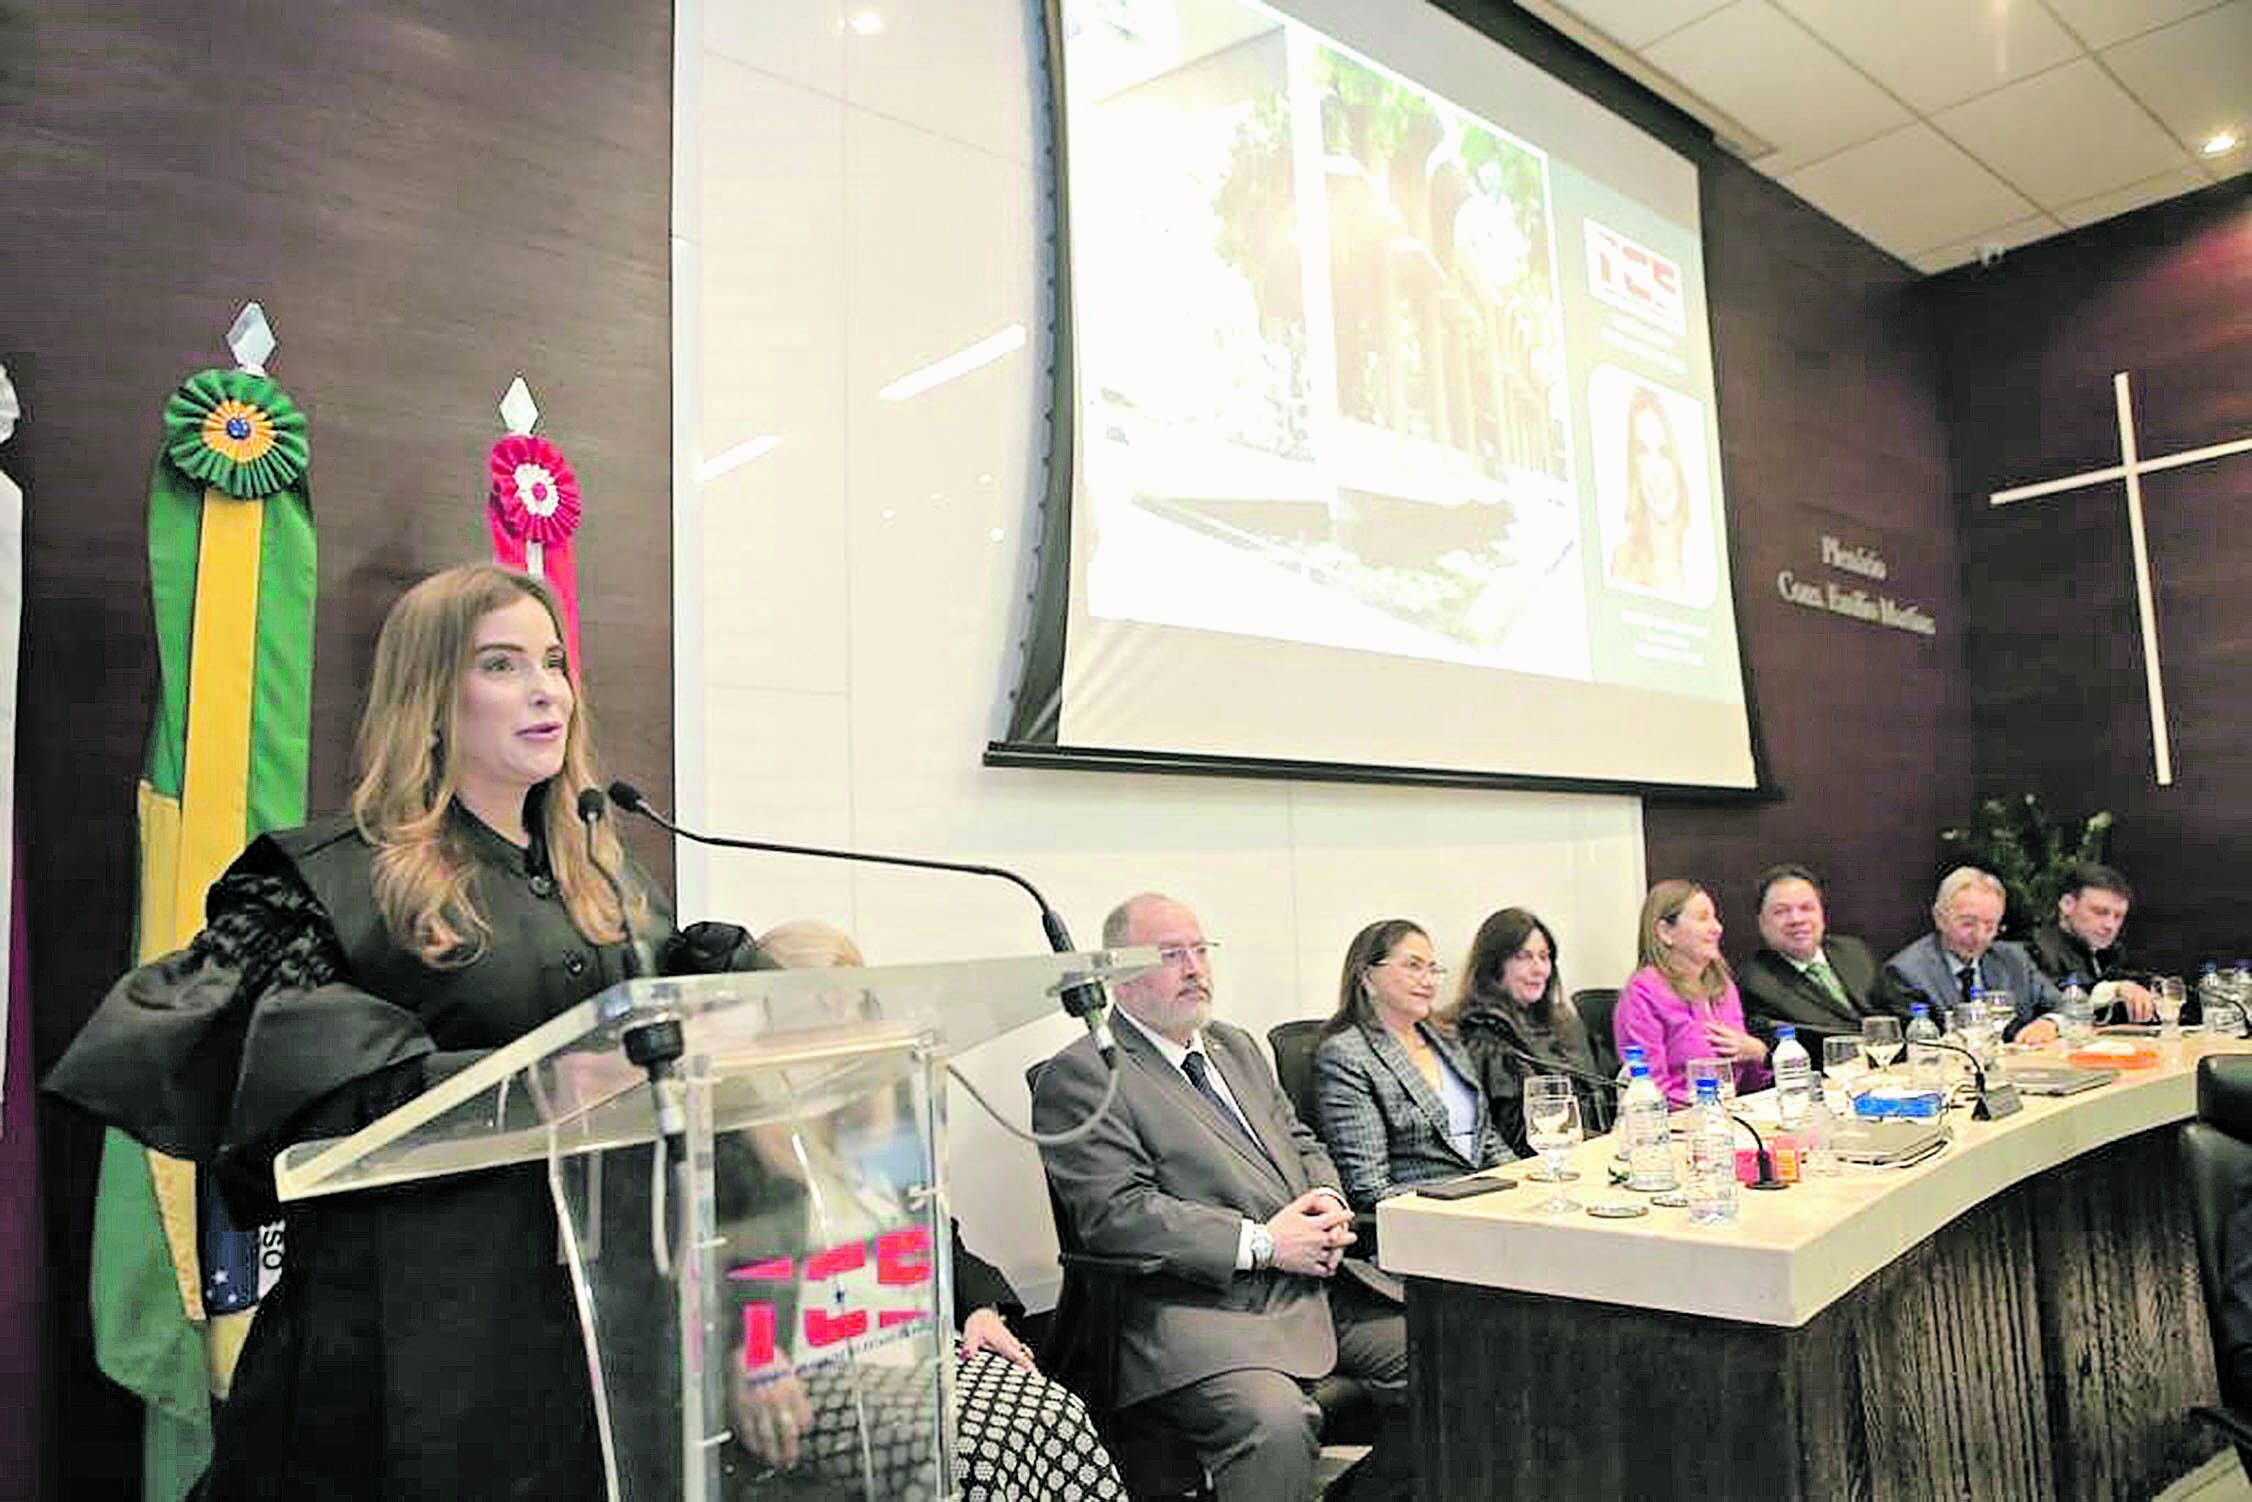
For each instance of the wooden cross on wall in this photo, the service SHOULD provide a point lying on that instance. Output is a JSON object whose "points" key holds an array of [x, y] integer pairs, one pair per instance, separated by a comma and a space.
{"points": [[2131, 468]]}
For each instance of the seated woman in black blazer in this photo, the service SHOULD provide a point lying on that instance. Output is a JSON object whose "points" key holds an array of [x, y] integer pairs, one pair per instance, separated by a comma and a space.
{"points": [[1396, 1099], [1511, 1004]]}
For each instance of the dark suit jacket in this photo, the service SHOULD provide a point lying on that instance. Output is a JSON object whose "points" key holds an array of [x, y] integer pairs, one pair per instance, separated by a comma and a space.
{"points": [[1164, 1173], [1775, 991], [1385, 1127]]}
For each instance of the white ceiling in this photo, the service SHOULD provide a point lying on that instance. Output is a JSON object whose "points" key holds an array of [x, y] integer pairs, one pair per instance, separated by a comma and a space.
{"points": [[1941, 129]]}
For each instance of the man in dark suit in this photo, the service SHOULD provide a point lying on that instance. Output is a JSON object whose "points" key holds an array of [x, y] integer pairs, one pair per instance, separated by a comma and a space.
{"points": [[1821, 983], [1201, 1161], [2083, 939]]}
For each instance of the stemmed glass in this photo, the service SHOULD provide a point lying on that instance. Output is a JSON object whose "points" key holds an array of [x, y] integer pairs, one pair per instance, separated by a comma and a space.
{"points": [[1880, 1039], [2171, 996], [1552, 1129]]}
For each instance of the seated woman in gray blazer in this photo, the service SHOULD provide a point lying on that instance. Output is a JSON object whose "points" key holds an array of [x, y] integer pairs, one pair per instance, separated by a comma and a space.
{"points": [[1396, 1098]]}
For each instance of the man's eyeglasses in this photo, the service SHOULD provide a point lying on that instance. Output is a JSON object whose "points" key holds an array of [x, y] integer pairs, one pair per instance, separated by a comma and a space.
{"points": [[1417, 969], [1181, 954]]}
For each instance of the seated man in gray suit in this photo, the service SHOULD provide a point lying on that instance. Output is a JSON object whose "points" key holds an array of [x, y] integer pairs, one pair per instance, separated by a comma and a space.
{"points": [[1942, 966], [1821, 983], [1202, 1162]]}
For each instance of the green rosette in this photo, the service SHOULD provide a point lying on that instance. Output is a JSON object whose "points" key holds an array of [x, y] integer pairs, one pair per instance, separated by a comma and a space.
{"points": [[235, 432]]}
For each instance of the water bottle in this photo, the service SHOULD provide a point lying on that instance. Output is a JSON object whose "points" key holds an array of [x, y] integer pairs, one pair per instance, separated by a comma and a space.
{"points": [[2079, 1013], [1712, 1159], [1649, 1153], [1983, 1035], [1634, 1054], [1794, 1076], [1923, 1059]]}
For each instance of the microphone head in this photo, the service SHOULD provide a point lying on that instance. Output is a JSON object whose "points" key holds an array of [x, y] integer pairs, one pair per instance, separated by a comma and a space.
{"points": [[591, 804], [626, 796]]}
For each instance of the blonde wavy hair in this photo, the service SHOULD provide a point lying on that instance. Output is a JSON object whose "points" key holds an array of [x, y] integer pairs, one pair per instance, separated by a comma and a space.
{"points": [[1664, 905], [423, 869]]}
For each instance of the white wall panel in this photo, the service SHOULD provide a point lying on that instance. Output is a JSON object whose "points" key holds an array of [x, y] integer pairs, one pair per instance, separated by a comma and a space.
{"points": [[858, 206]]}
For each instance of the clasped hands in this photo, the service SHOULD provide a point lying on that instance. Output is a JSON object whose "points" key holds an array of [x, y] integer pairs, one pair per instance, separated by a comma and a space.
{"points": [[1311, 1234]]}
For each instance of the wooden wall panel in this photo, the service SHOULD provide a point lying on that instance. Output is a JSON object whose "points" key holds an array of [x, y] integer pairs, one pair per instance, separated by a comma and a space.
{"points": [[427, 197], [2055, 664], [1830, 421]]}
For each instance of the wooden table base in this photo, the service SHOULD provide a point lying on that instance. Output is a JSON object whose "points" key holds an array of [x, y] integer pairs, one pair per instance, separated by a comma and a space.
{"points": [[2046, 1344]]}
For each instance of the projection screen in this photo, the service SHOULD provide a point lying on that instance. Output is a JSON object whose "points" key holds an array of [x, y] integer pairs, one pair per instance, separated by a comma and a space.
{"points": [[1391, 406]]}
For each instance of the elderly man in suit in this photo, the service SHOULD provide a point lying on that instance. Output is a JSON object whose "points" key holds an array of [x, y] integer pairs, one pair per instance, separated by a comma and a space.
{"points": [[1201, 1161], [1821, 983], [1962, 951]]}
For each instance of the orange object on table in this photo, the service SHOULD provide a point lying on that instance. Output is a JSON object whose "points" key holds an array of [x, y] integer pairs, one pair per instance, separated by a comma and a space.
{"points": [[2114, 1053]]}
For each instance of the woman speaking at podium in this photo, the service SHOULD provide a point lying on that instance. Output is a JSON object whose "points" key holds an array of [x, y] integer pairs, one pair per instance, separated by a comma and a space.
{"points": [[421, 1342]]}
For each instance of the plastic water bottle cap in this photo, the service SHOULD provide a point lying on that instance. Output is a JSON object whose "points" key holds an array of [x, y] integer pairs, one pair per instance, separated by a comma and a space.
{"points": [[2074, 978], [1784, 1031], [1636, 1053], [1708, 1089], [1638, 1069], [2210, 967], [1918, 1009]]}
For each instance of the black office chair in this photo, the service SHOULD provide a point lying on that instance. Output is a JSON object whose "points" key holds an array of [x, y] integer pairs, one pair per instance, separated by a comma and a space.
{"points": [[1081, 1352], [2217, 1152], [1293, 1044], [1595, 1005]]}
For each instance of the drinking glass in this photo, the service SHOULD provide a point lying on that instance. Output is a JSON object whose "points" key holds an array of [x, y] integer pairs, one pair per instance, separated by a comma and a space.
{"points": [[1880, 1039], [1975, 1021], [2171, 995], [1552, 1129], [1842, 1064], [1721, 1072], [2001, 1011]]}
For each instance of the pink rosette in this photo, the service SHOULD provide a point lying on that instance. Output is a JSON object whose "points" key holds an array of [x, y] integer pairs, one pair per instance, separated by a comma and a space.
{"points": [[532, 511]]}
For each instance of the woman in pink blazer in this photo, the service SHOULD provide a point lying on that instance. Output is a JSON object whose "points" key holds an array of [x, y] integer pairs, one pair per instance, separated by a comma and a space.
{"points": [[1682, 1004]]}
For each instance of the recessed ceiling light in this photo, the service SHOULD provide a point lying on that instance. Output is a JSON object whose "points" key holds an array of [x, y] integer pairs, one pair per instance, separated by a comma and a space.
{"points": [[2220, 142], [867, 22]]}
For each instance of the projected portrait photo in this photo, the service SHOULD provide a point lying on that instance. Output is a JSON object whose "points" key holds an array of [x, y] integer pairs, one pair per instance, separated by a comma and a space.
{"points": [[1651, 488]]}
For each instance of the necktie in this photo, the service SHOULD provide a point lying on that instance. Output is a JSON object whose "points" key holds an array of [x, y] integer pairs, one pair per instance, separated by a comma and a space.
{"points": [[1966, 978], [1199, 1071], [1826, 978]]}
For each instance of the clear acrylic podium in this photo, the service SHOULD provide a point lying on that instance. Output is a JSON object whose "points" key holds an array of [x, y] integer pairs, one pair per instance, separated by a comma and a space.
{"points": [[765, 1289]]}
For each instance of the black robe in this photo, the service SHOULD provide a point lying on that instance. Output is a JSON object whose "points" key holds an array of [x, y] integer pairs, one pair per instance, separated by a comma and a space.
{"points": [[422, 1340]]}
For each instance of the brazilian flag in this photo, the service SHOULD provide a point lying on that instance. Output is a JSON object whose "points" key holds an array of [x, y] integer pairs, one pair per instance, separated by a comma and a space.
{"points": [[232, 578]]}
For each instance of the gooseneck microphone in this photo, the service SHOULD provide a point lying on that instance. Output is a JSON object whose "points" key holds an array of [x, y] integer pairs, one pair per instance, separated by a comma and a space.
{"points": [[1087, 1002], [1991, 1100], [654, 1046], [1762, 1156]]}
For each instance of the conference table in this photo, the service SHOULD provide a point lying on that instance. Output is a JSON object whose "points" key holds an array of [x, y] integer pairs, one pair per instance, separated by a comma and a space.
{"points": [[2018, 1316]]}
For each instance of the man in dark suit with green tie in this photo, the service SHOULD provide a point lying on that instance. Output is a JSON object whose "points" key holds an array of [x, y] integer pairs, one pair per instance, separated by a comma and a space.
{"points": [[1819, 982]]}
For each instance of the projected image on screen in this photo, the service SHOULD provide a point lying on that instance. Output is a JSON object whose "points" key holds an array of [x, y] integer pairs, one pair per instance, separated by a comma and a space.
{"points": [[1657, 524], [1392, 376], [1367, 449]]}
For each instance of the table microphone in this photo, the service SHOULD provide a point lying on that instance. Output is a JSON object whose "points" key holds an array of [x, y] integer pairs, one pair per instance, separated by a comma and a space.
{"points": [[654, 1046], [1767, 1179], [1087, 1002]]}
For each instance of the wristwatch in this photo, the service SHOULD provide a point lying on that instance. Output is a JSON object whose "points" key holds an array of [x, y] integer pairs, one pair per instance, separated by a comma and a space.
{"points": [[1262, 1247]]}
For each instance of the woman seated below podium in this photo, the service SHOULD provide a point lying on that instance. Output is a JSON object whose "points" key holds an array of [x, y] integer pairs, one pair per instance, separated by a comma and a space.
{"points": [[422, 1341], [1020, 1437], [1682, 1004], [1396, 1098]]}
